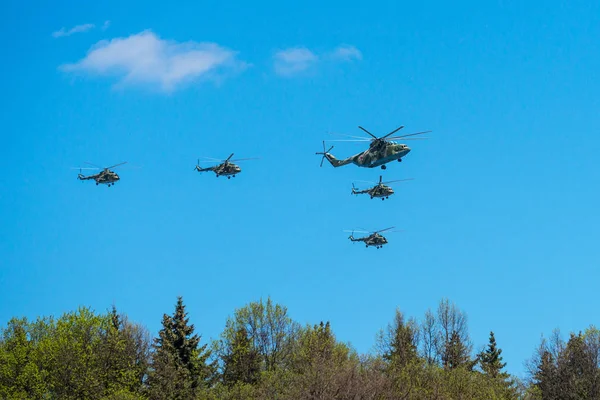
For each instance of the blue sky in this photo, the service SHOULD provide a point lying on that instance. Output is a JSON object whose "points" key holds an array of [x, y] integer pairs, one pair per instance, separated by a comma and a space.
{"points": [[501, 216]]}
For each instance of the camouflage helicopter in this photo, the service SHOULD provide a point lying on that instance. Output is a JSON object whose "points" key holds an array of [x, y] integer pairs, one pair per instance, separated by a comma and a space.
{"points": [[381, 151], [226, 168], [374, 238], [105, 177], [379, 190]]}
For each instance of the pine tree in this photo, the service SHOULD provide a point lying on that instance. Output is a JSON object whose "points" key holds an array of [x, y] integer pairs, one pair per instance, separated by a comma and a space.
{"points": [[545, 377], [241, 362], [491, 359], [179, 368], [456, 353], [402, 337]]}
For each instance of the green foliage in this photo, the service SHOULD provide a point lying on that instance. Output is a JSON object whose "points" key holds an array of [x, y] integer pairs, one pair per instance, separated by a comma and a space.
{"points": [[179, 368], [80, 355], [241, 361], [271, 330], [264, 354], [398, 343], [20, 373]]}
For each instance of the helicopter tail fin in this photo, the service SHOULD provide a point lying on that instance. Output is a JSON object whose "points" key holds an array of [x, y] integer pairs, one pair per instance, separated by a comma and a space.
{"points": [[200, 169], [354, 191]]}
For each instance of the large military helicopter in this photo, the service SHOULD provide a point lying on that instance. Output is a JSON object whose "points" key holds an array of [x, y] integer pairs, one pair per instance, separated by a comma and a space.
{"points": [[374, 238], [105, 177], [380, 189], [226, 167], [381, 151]]}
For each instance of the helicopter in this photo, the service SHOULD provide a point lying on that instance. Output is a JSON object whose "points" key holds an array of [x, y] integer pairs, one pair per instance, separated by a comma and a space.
{"points": [[106, 176], [379, 190], [381, 150], [226, 168], [374, 238]]}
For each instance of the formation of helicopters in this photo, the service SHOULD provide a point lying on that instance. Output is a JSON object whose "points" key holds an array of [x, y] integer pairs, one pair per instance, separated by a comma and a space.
{"points": [[381, 151]]}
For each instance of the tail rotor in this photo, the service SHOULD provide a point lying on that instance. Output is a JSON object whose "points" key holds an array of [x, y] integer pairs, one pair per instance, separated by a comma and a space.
{"points": [[324, 153]]}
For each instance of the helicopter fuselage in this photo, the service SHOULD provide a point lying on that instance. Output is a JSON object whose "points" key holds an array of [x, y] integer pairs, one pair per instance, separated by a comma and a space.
{"points": [[105, 178], [379, 190], [226, 169], [375, 239], [373, 157]]}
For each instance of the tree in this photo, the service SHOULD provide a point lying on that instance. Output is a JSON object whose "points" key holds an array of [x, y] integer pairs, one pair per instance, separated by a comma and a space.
{"points": [[491, 359], [454, 345], [456, 353], [123, 354], [398, 343], [321, 367], [430, 338], [20, 373], [241, 361], [271, 330], [179, 368]]}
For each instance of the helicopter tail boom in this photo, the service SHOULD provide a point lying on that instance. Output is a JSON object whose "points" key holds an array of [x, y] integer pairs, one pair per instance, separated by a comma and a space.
{"points": [[334, 161]]}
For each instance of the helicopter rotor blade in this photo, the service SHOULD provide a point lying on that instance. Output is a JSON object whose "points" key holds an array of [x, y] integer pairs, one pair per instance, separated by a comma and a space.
{"points": [[116, 165], [79, 168], [392, 132], [398, 180], [229, 158], [244, 159], [323, 153], [212, 159], [360, 127], [386, 229], [410, 134], [403, 139], [351, 140], [350, 136], [93, 165]]}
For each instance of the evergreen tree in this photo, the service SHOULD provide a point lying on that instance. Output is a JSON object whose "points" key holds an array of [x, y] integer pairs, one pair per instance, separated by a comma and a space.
{"points": [[456, 354], [491, 359], [402, 342], [545, 377], [179, 367], [241, 362]]}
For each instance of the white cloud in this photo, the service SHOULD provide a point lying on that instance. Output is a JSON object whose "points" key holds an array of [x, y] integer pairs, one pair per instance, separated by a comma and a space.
{"points": [[346, 53], [77, 29], [292, 61], [144, 58], [105, 25]]}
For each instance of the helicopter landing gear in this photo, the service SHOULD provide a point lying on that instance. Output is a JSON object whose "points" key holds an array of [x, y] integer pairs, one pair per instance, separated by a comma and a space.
{"points": [[399, 160], [96, 183], [367, 246], [228, 177], [383, 167], [383, 198]]}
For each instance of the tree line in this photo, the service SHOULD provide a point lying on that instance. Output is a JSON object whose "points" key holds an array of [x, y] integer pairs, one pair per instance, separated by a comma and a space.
{"points": [[263, 353]]}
